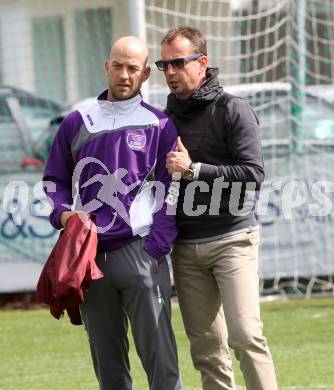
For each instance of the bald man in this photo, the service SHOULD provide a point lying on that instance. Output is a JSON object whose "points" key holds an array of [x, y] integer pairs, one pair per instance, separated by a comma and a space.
{"points": [[112, 151]]}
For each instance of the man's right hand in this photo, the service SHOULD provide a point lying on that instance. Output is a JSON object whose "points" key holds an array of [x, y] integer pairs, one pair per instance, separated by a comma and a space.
{"points": [[178, 161], [64, 216]]}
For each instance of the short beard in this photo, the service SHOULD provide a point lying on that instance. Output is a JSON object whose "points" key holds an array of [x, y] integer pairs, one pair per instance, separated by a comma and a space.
{"points": [[124, 97]]}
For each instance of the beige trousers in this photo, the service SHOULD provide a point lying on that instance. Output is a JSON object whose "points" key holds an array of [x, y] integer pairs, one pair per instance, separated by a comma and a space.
{"points": [[218, 289]]}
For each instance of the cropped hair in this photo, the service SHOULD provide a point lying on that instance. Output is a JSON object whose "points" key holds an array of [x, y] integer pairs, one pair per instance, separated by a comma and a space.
{"points": [[191, 33]]}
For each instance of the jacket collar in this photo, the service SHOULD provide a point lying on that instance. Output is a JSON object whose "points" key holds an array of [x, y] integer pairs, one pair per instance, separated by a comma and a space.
{"points": [[206, 93], [209, 89], [119, 107]]}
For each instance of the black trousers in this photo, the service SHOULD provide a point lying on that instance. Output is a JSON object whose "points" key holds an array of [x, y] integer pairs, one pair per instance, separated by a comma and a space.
{"points": [[134, 288]]}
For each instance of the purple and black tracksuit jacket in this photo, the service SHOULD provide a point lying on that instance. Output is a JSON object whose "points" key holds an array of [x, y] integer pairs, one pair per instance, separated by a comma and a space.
{"points": [[104, 160]]}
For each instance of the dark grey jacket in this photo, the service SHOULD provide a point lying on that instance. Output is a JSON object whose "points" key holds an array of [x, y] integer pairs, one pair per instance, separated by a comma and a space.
{"points": [[221, 132]]}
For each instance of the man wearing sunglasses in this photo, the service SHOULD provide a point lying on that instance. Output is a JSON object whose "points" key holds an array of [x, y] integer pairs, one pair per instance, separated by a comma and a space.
{"points": [[215, 256]]}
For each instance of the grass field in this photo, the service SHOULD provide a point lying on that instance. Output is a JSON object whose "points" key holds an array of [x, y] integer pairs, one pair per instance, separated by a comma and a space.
{"points": [[38, 352]]}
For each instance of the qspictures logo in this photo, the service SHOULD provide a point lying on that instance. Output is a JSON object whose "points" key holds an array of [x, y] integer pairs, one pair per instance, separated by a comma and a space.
{"points": [[281, 199]]}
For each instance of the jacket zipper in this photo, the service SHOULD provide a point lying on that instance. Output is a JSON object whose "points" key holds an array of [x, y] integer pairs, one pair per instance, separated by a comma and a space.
{"points": [[114, 118]]}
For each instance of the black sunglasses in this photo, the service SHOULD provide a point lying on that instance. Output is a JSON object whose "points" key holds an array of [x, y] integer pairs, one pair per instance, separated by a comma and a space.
{"points": [[177, 63]]}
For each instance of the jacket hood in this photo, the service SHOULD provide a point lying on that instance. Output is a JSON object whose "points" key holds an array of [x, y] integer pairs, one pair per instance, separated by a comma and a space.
{"points": [[206, 93]]}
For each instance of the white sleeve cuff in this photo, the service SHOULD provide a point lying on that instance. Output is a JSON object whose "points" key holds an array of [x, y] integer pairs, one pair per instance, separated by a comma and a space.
{"points": [[197, 167]]}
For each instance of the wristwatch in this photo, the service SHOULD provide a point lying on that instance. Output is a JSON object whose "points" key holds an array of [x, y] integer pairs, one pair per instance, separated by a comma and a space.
{"points": [[188, 174]]}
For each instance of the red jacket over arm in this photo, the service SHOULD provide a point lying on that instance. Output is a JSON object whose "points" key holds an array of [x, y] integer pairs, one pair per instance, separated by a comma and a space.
{"points": [[70, 268]]}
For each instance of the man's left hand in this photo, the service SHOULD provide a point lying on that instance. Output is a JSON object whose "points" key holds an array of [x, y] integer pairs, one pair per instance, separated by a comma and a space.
{"points": [[178, 161]]}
